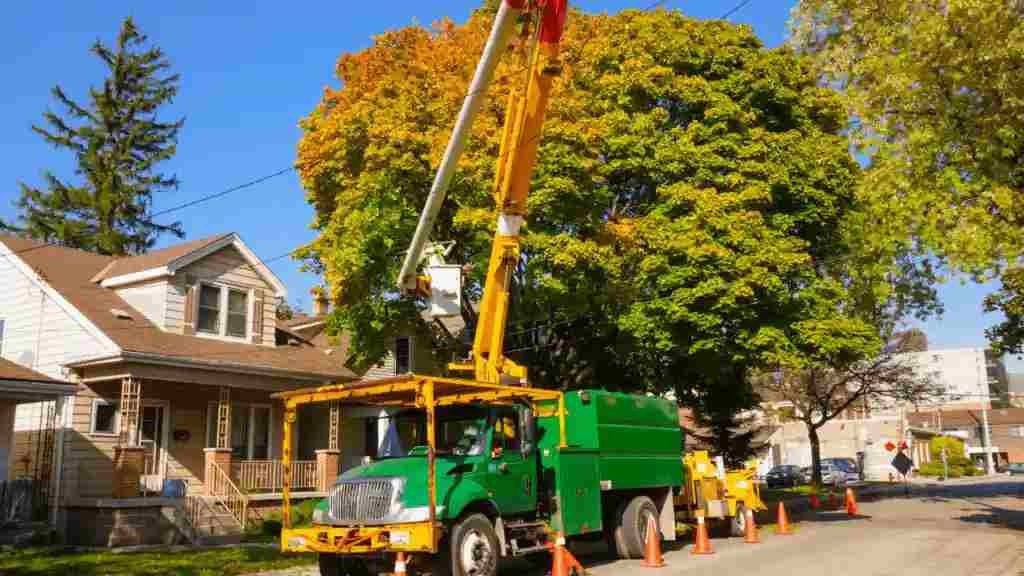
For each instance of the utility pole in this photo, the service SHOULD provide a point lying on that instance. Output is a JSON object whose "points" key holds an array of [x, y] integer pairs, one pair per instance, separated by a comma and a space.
{"points": [[985, 441]]}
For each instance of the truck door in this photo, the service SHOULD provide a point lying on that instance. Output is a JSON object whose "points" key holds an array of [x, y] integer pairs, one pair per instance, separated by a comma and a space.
{"points": [[512, 470]]}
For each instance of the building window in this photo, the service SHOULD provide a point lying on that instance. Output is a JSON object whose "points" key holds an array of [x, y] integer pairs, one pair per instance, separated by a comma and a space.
{"points": [[209, 309], [1, 336], [403, 355], [250, 430], [238, 310], [105, 417], [1017, 431], [223, 311]]}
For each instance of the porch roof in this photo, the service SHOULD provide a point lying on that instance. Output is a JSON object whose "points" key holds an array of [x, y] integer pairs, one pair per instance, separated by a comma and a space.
{"points": [[21, 383]]}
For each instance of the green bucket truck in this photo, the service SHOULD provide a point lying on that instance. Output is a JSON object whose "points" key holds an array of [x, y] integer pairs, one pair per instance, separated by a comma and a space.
{"points": [[495, 471]]}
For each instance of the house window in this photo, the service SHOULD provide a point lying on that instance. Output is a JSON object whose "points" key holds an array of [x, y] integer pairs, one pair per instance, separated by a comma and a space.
{"points": [[403, 355], [209, 309], [238, 310], [223, 311], [250, 430], [105, 417], [1017, 431]]}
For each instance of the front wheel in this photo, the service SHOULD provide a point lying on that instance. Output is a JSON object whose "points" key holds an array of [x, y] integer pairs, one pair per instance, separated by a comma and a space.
{"points": [[335, 565], [474, 547]]}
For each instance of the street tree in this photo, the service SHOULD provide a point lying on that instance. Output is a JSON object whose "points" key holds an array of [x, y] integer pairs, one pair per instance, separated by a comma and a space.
{"points": [[935, 90], [119, 141], [827, 386], [690, 187]]}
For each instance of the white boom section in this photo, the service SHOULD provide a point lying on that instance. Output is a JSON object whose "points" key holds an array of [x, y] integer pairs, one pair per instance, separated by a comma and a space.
{"points": [[501, 32]]}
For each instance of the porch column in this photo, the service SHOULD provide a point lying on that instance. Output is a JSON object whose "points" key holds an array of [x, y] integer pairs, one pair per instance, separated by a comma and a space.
{"points": [[220, 454], [327, 460], [128, 454]]}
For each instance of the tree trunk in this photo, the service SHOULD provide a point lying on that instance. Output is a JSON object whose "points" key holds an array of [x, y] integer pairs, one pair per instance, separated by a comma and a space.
{"points": [[812, 435]]}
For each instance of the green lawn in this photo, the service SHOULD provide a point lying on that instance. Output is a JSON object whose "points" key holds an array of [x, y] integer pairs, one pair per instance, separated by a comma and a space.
{"points": [[226, 561]]}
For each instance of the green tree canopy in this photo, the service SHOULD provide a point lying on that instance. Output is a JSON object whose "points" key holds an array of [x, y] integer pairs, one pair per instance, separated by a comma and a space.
{"points": [[118, 142], [686, 218], [936, 92]]}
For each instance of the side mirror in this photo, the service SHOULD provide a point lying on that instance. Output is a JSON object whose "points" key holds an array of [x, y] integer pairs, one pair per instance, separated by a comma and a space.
{"points": [[527, 431]]}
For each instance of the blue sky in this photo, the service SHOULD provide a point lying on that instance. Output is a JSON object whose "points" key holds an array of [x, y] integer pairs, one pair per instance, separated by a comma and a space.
{"points": [[249, 73]]}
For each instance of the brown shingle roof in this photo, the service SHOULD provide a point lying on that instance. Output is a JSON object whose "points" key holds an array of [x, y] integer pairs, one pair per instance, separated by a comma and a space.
{"points": [[155, 259], [11, 371], [70, 271]]}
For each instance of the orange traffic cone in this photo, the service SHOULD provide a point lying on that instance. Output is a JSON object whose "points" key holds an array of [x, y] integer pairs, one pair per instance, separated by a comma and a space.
{"points": [[815, 503], [701, 544], [652, 547], [783, 522], [563, 563], [851, 503], [750, 533], [400, 564]]}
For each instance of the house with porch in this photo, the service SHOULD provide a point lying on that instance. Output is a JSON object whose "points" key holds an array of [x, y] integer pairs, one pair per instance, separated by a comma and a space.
{"points": [[171, 431]]}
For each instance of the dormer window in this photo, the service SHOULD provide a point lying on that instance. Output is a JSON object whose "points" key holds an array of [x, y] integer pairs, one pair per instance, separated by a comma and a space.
{"points": [[223, 311], [209, 309], [238, 312]]}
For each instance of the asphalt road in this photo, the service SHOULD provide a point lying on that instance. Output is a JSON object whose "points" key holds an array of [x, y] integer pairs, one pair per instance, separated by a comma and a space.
{"points": [[973, 528]]}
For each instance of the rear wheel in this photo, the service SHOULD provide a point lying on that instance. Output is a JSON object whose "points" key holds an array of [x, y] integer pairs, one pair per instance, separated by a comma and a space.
{"points": [[738, 523], [334, 565], [631, 531]]}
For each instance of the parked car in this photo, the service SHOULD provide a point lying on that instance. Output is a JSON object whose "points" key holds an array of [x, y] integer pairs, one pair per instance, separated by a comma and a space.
{"points": [[1015, 469], [806, 474], [839, 471], [784, 475]]}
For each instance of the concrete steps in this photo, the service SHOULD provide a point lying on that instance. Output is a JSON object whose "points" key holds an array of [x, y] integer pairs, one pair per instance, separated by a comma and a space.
{"points": [[212, 524]]}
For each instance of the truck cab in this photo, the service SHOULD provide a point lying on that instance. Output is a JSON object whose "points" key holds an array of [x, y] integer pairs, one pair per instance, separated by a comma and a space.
{"points": [[485, 459]]}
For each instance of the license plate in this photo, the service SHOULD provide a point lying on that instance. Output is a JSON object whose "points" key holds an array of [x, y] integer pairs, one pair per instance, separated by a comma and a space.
{"points": [[400, 538]]}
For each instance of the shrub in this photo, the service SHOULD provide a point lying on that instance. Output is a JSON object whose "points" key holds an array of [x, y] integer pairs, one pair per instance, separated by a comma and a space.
{"points": [[930, 469]]}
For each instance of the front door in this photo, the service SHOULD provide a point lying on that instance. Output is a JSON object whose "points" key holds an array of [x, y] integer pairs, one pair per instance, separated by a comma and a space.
{"points": [[512, 474], [151, 437]]}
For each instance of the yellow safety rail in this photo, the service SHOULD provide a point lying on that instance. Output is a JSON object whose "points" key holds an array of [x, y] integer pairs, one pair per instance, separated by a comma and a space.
{"points": [[408, 391]]}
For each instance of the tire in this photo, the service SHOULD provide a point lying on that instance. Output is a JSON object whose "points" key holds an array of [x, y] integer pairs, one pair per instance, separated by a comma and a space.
{"points": [[738, 523], [335, 565], [473, 548], [631, 529]]}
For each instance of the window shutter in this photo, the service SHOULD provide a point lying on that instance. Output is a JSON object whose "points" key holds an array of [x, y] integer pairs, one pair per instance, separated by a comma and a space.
{"points": [[257, 317], [190, 308]]}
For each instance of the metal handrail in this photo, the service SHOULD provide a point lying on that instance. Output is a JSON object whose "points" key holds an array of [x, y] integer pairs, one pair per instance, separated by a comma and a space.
{"points": [[226, 493]]}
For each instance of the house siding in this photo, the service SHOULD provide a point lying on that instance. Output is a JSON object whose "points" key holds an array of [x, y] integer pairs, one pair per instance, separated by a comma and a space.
{"points": [[38, 334], [227, 267], [149, 299]]}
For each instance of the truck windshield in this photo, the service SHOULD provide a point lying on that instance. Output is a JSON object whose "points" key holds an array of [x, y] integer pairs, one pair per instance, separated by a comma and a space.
{"points": [[460, 432]]}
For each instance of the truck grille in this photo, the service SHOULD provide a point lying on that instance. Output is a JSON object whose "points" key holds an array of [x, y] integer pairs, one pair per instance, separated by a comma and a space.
{"points": [[362, 500]]}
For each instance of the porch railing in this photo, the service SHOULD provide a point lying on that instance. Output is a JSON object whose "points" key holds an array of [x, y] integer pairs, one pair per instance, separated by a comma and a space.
{"points": [[268, 475], [227, 493]]}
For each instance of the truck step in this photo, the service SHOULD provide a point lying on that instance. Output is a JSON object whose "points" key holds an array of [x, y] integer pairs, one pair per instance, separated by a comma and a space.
{"points": [[529, 550]]}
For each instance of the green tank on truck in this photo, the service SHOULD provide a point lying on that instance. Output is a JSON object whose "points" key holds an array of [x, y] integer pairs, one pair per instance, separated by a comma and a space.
{"points": [[506, 482]]}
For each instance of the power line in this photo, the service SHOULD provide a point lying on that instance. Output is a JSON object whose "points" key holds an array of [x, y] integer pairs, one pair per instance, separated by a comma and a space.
{"points": [[735, 9], [215, 195], [183, 206]]}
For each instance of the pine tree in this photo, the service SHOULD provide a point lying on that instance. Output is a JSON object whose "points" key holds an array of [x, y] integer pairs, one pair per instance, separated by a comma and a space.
{"points": [[118, 142]]}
